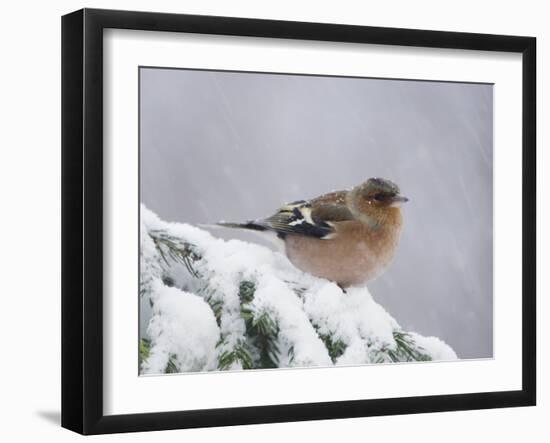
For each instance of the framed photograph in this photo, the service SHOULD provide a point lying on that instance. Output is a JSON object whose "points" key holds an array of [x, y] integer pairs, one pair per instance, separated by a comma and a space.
{"points": [[269, 221]]}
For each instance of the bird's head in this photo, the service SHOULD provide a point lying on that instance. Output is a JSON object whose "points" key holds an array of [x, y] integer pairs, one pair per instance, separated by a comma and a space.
{"points": [[377, 199]]}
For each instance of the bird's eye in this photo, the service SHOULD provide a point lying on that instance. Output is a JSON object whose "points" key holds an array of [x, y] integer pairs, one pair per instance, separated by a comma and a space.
{"points": [[380, 197]]}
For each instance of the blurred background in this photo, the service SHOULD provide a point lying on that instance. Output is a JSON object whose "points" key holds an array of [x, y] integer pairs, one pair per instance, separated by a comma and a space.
{"points": [[235, 146]]}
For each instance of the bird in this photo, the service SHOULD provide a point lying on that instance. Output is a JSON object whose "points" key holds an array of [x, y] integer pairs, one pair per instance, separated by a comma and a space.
{"points": [[348, 237]]}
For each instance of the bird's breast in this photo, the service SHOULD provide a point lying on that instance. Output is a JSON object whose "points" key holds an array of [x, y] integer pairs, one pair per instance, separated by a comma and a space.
{"points": [[353, 256]]}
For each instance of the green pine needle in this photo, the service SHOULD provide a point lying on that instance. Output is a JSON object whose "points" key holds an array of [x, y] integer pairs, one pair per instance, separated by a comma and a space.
{"points": [[406, 350], [171, 250], [335, 347], [144, 350], [246, 291], [171, 366], [262, 332], [240, 353]]}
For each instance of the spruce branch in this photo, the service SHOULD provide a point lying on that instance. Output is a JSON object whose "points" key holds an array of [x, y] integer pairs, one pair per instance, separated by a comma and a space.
{"points": [[261, 329], [291, 355], [239, 354], [335, 346], [217, 307], [173, 250], [171, 366], [144, 350], [406, 350], [246, 291]]}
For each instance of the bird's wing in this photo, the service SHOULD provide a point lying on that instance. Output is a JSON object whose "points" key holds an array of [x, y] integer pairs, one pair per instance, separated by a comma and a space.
{"points": [[314, 218]]}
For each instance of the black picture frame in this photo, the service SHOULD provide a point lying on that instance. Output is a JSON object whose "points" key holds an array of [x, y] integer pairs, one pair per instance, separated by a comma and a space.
{"points": [[82, 219]]}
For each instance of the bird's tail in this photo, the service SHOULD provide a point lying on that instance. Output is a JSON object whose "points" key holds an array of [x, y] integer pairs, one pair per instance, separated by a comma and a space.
{"points": [[250, 225], [259, 227]]}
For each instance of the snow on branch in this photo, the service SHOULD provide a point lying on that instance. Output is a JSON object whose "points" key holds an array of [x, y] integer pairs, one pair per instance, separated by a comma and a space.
{"points": [[231, 305]]}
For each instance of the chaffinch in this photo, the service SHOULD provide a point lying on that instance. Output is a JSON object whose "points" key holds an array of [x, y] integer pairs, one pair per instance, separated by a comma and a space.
{"points": [[348, 237]]}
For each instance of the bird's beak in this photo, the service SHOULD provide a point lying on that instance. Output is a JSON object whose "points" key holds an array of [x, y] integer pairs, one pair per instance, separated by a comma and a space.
{"points": [[398, 200]]}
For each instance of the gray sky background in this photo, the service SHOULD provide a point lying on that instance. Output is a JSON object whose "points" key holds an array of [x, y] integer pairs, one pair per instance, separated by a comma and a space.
{"points": [[235, 146]]}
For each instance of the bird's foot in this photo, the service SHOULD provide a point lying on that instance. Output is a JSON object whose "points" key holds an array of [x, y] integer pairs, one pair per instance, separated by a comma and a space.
{"points": [[342, 288]]}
